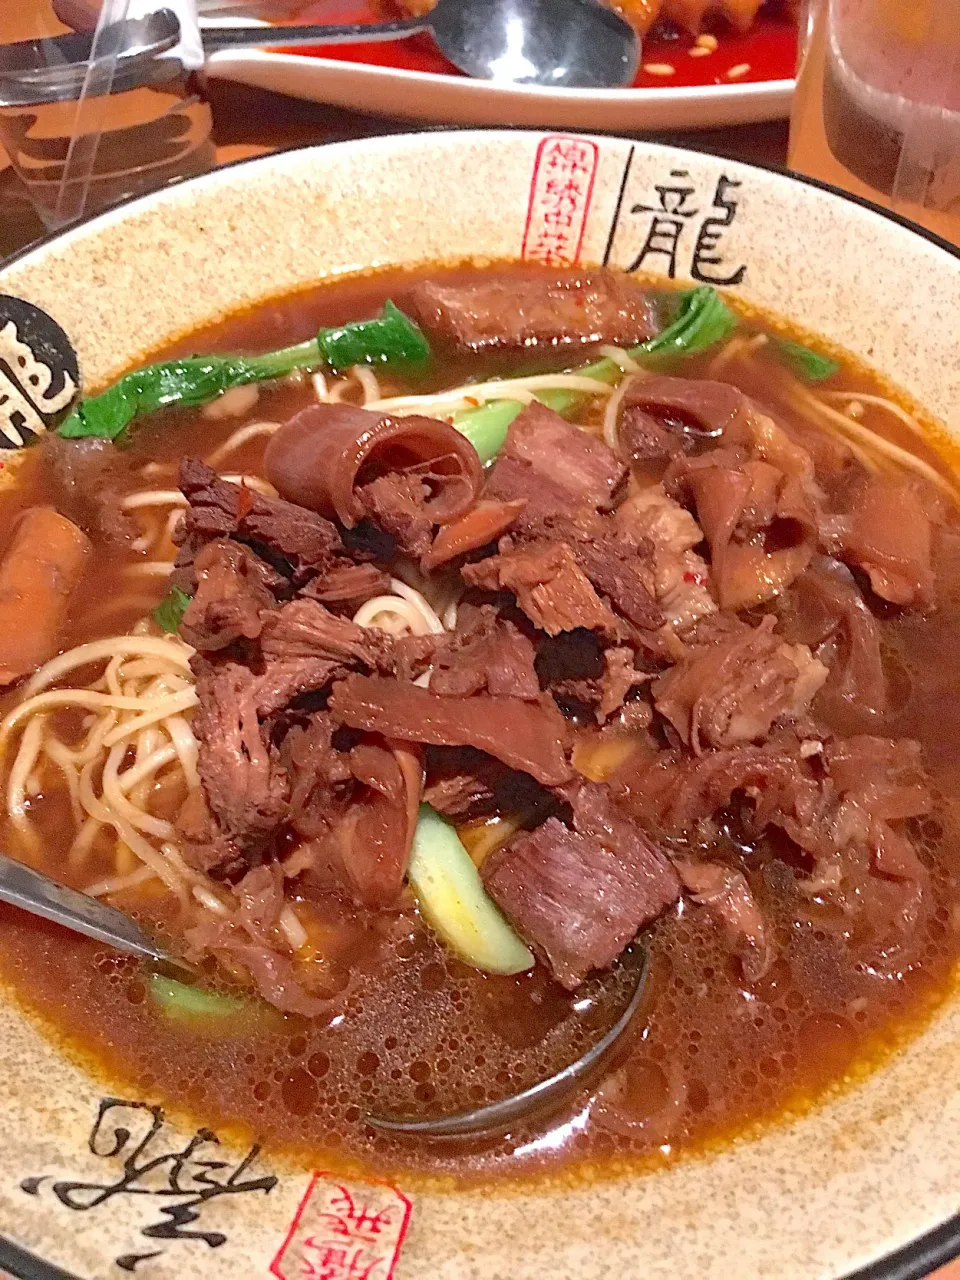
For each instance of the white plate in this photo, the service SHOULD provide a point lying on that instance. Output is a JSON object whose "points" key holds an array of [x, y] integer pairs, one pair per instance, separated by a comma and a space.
{"points": [[457, 100]]}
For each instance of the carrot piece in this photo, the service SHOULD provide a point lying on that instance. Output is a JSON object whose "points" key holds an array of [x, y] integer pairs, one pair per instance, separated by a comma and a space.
{"points": [[42, 565]]}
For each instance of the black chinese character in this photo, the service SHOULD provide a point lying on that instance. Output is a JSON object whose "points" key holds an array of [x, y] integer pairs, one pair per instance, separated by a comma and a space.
{"points": [[182, 1177], [704, 253], [666, 226]]}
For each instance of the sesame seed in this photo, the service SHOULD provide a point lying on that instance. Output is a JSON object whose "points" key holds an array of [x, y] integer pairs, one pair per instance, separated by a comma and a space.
{"points": [[698, 51], [659, 69], [706, 41], [737, 72]]}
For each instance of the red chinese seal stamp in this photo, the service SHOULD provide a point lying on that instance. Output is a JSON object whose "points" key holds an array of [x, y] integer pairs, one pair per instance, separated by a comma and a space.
{"points": [[344, 1231], [560, 193]]}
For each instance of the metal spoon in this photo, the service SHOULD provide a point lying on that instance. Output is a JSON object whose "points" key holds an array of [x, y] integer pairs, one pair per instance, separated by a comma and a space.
{"points": [[23, 887], [559, 43], [497, 1116]]}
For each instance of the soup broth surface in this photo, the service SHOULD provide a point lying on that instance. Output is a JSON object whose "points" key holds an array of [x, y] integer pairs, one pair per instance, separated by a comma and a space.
{"points": [[407, 1027]]}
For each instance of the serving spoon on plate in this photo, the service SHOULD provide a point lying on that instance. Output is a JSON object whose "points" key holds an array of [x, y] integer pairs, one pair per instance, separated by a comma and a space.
{"points": [[561, 44]]}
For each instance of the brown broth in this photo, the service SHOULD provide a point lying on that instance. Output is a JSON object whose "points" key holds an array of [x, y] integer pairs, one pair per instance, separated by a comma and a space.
{"points": [[409, 1026]]}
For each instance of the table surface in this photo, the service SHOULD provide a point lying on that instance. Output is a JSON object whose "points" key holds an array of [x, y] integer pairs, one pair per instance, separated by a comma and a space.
{"points": [[249, 122]]}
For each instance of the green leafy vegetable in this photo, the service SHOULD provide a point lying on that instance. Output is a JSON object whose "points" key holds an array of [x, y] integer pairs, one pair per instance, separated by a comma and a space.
{"points": [[177, 1000], [702, 319], [454, 902], [169, 612], [810, 366], [392, 338]]}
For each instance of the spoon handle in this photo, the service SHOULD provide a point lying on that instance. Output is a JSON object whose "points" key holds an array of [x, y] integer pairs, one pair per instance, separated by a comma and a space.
{"points": [[219, 38], [23, 887]]}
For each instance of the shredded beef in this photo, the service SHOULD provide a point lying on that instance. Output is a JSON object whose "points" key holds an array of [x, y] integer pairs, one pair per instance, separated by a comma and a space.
{"points": [[297, 542], [318, 775], [733, 691], [486, 655], [726, 895], [233, 586], [243, 780], [305, 629], [515, 311], [580, 896], [824, 610]]}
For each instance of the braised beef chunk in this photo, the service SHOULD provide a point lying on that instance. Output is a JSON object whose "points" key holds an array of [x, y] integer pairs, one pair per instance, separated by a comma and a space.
{"points": [[573, 307], [622, 570], [553, 466], [297, 542], [397, 503], [243, 781], [581, 896], [528, 736], [233, 586], [486, 655], [550, 587], [88, 478]]}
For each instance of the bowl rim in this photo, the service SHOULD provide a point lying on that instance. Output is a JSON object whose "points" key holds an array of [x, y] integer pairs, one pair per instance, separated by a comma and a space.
{"points": [[920, 1256]]}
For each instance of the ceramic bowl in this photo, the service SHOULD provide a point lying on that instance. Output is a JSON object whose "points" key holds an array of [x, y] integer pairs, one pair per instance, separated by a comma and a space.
{"points": [[871, 1169]]}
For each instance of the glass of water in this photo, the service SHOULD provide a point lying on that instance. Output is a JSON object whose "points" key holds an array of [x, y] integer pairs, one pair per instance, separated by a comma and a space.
{"points": [[92, 114]]}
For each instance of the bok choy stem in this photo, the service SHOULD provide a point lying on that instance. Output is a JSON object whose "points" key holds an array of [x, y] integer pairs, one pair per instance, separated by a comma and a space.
{"points": [[454, 902]]}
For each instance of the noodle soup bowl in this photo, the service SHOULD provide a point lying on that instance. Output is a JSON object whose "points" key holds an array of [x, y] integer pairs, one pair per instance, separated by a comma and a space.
{"points": [[100, 1176]]}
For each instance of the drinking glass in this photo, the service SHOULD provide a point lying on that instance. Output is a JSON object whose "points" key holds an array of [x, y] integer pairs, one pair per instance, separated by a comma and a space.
{"points": [[877, 105], [124, 127]]}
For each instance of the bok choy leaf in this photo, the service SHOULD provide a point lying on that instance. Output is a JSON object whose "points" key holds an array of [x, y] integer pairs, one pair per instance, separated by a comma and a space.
{"points": [[392, 338]]}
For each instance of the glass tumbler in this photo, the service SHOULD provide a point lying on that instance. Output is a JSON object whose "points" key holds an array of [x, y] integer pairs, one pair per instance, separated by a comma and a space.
{"points": [[877, 105], [134, 119]]}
